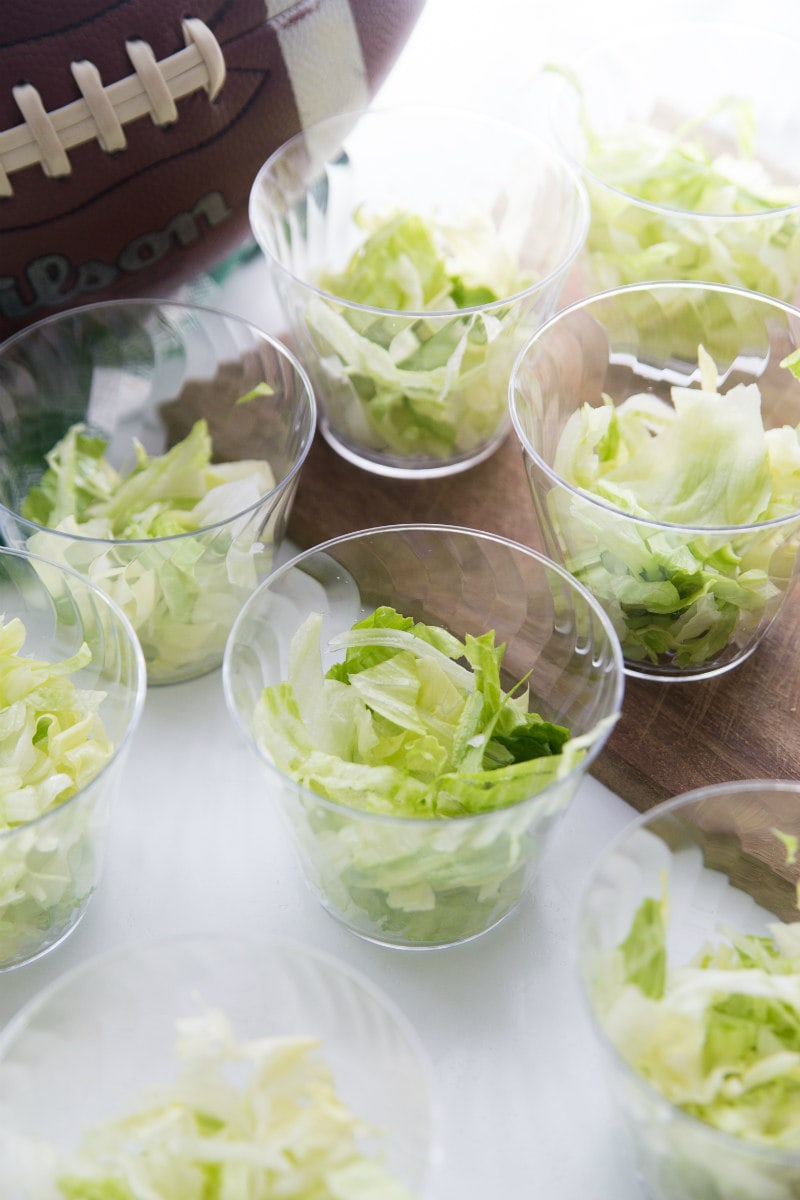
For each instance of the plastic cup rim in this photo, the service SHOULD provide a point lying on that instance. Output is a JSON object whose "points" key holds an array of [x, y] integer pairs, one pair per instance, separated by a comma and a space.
{"points": [[653, 29], [17, 1026], [560, 159], [577, 771], [143, 303]]}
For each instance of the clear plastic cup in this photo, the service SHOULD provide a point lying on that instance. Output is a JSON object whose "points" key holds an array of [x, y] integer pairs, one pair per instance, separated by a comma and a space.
{"points": [[424, 882], [687, 138], [51, 865], [147, 371], [94, 1046], [720, 860], [417, 391], [688, 599]]}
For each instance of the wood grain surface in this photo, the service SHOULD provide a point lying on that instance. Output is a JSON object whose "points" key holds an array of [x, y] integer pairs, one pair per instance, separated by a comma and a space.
{"points": [[672, 737]]}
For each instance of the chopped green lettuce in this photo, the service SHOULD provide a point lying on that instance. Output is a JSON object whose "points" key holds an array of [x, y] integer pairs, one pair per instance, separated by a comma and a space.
{"points": [[790, 844], [743, 227], [242, 1121], [173, 541], [419, 386], [52, 744], [718, 1037], [413, 723], [401, 727], [705, 461]]}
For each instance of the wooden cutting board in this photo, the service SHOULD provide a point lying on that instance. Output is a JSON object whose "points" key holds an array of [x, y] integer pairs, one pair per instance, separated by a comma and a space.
{"points": [[672, 737]]}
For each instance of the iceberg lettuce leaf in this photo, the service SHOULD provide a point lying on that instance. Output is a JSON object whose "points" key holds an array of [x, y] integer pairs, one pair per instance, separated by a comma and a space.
{"points": [[242, 1120], [646, 183], [719, 1036], [423, 710], [704, 462], [419, 386], [52, 745], [413, 723], [140, 535]]}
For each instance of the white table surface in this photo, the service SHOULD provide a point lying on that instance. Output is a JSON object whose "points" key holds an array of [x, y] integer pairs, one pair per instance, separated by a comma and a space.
{"points": [[195, 846]]}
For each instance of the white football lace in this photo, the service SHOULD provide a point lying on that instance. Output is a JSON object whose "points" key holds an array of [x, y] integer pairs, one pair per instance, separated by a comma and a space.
{"points": [[45, 137]]}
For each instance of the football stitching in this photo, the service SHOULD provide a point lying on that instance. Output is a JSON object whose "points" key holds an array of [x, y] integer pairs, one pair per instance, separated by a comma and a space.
{"points": [[22, 227], [102, 112], [108, 127]]}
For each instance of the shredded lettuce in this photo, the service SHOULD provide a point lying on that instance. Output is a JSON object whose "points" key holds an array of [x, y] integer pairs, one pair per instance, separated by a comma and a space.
{"points": [[680, 171], [242, 1121], [432, 387], [704, 461], [52, 744], [413, 723], [172, 540], [719, 1038]]}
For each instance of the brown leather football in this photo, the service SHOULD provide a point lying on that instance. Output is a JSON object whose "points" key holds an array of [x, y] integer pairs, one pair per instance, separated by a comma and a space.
{"points": [[131, 130]]}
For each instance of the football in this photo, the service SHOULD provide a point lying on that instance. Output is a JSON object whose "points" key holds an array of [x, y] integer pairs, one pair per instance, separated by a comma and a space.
{"points": [[131, 130]]}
